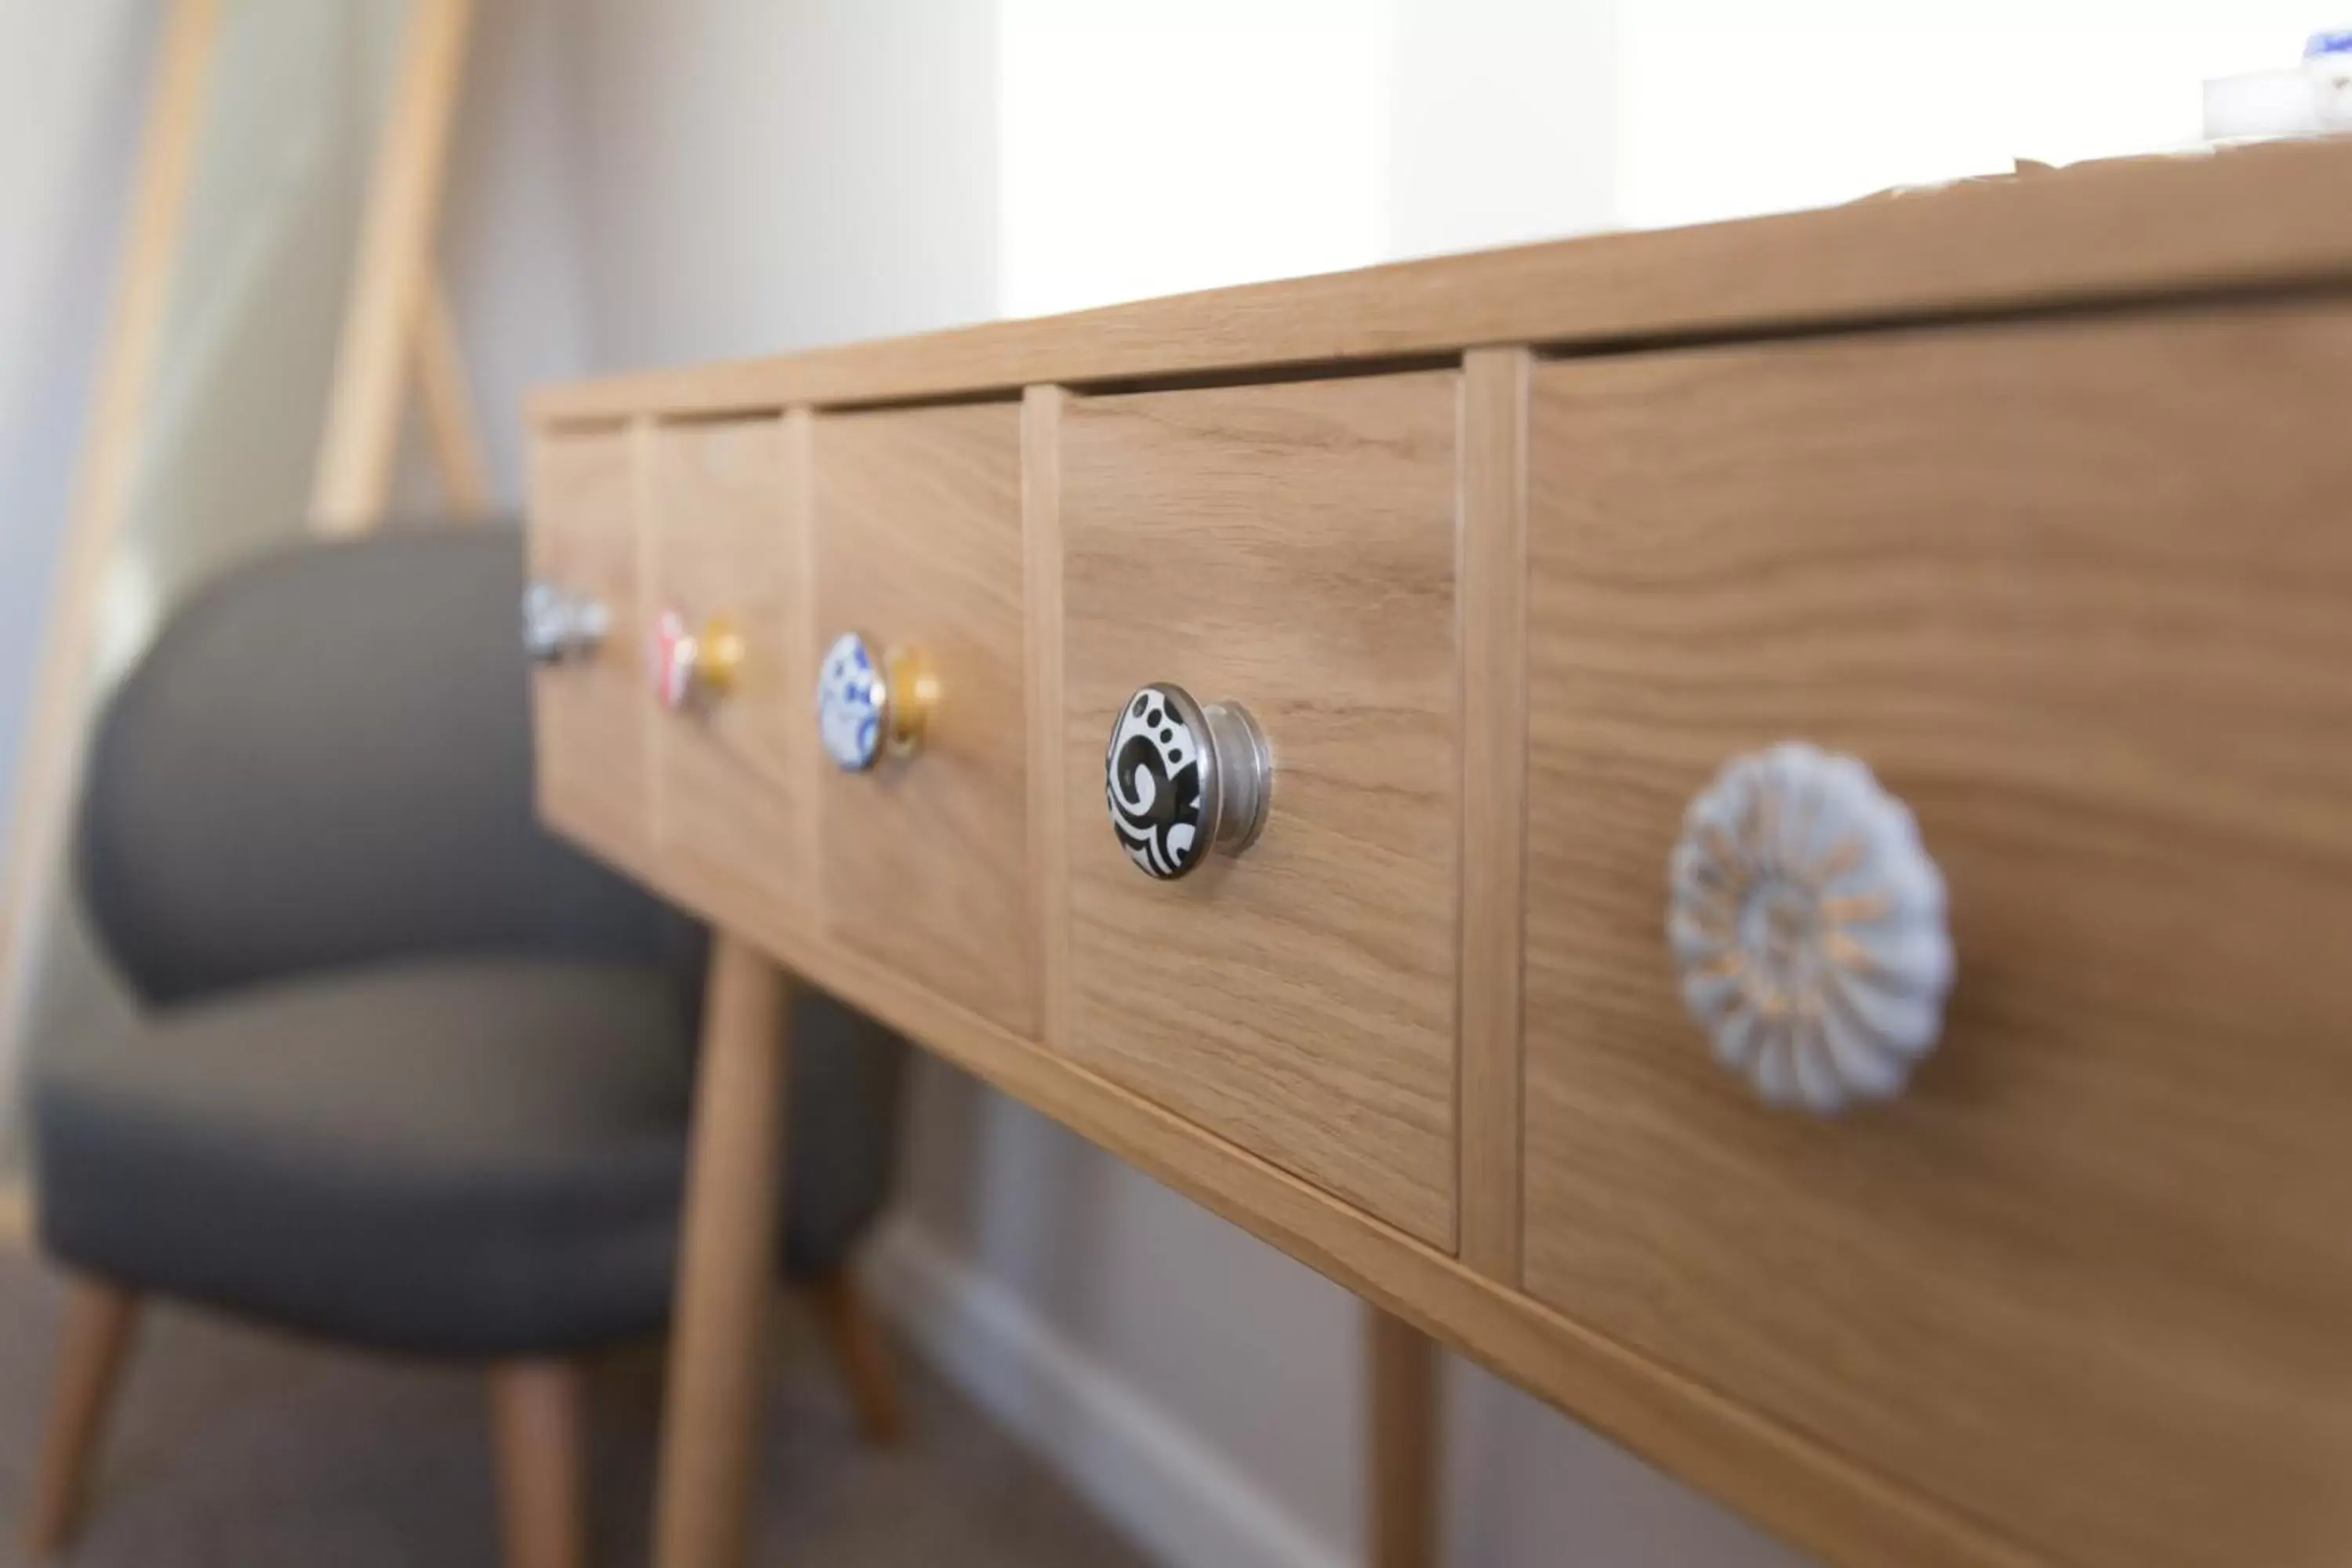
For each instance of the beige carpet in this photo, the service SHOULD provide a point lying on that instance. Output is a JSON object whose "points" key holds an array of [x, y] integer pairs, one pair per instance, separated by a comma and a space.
{"points": [[236, 1449]]}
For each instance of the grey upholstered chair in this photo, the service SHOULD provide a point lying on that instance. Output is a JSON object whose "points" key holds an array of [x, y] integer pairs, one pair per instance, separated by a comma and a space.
{"points": [[408, 1072]]}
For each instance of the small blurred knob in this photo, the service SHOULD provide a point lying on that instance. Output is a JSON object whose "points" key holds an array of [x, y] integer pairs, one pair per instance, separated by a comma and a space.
{"points": [[693, 665], [1180, 778], [559, 625], [1808, 924], [865, 706]]}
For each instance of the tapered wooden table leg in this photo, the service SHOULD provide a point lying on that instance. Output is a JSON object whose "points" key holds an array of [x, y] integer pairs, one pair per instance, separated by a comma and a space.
{"points": [[1401, 1443], [727, 1266]]}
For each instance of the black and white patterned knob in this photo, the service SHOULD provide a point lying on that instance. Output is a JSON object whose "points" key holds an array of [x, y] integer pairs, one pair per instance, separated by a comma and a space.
{"points": [[1182, 779]]}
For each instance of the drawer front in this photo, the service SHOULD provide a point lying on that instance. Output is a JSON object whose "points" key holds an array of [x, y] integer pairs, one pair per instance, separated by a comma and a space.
{"points": [[1288, 548], [733, 767], [2081, 594], [924, 859], [589, 714]]}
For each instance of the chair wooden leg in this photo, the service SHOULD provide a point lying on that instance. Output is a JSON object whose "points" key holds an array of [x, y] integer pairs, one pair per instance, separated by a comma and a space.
{"points": [[861, 1352], [538, 1428], [1402, 1446], [100, 1318]]}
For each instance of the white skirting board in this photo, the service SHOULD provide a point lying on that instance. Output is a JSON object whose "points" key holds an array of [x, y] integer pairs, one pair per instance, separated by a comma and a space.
{"points": [[1168, 1491]]}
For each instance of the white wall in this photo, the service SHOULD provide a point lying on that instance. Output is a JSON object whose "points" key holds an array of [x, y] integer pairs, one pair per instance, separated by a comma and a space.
{"points": [[511, 228], [1730, 109], [762, 176], [1152, 150], [72, 78]]}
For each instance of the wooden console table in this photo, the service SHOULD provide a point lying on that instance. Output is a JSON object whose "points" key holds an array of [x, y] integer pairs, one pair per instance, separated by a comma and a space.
{"points": [[1751, 825]]}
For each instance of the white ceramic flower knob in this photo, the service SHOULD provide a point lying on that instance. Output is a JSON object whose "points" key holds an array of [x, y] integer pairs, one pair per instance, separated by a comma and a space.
{"points": [[1808, 924]]}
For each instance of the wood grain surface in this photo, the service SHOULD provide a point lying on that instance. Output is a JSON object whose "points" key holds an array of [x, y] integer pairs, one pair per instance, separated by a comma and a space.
{"points": [[1291, 548], [925, 860], [734, 779], [2258, 216], [2082, 594], [1844, 1510], [1494, 630], [1049, 852], [591, 716], [2073, 583]]}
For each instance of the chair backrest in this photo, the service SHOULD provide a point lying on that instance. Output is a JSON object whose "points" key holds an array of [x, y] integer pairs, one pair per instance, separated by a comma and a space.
{"points": [[325, 761]]}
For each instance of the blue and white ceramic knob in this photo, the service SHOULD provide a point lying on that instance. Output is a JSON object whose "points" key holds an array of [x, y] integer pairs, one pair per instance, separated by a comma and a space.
{"points": [[867, 708], [1182, 779], [1808, 924]]}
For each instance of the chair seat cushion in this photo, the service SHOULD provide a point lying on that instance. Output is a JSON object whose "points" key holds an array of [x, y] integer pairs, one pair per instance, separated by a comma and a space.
{"points": [[476, 1157]]}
